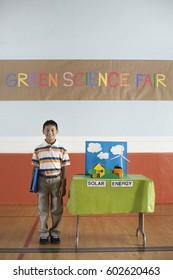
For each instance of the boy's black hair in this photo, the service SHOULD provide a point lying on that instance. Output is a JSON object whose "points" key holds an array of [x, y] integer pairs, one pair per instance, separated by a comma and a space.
{"points": [[50, 122]]}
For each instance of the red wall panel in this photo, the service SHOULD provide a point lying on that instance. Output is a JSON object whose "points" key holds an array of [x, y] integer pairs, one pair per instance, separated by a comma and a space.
{"points": [[16, 170]]}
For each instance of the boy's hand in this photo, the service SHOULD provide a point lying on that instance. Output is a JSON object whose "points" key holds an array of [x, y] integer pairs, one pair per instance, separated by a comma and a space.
{"points": [[62, 190]]}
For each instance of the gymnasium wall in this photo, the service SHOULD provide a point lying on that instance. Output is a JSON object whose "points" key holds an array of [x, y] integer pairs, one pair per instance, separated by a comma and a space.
{"points": [[98, 29]]}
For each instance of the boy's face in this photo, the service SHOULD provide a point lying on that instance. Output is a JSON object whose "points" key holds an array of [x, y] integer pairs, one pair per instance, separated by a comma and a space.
{"points": [[50, 132]]}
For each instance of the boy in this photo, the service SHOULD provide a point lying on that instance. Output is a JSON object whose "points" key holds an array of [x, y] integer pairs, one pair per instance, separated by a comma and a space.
{"points": [[51, 160]]}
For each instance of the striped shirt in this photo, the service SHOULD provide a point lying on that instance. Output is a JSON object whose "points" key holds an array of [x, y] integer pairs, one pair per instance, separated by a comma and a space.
{"points": [[50, 158]]}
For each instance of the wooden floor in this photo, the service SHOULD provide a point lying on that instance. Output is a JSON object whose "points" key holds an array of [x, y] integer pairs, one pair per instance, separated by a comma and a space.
{"points": [[107, 237]]}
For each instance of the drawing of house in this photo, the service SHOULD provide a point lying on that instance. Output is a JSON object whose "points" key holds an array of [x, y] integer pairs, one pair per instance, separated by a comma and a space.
{"points": [[118, 171], [99, 171]]}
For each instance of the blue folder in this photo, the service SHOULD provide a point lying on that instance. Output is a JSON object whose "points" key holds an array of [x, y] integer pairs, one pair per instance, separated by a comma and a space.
{"points": [[34, 182]]}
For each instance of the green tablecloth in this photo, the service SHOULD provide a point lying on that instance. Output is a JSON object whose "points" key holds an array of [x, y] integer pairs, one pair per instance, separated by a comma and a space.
{"points": [[139, 198]]}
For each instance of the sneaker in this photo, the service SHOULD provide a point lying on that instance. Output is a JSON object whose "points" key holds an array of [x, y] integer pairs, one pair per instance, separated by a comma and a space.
{"points": [[44, 240], [54, 240]]}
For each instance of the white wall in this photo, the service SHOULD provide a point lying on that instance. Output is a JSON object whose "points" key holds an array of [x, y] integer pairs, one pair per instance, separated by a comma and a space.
{"points": [[80, 29]]}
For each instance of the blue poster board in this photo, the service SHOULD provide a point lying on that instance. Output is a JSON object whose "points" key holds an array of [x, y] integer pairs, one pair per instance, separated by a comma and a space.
{"points": [[106, 153], [34, 182]]}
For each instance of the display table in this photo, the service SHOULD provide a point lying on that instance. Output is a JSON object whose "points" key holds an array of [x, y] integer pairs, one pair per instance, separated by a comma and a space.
{"points": [[131, 194]]}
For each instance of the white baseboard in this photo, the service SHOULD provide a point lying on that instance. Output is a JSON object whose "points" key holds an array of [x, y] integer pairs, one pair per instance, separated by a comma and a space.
{"points": [[77, 144]]}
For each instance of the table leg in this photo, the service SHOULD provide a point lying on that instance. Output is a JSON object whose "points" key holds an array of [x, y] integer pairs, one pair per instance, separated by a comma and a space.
{"points": [[77, 231], [141, 228]]}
